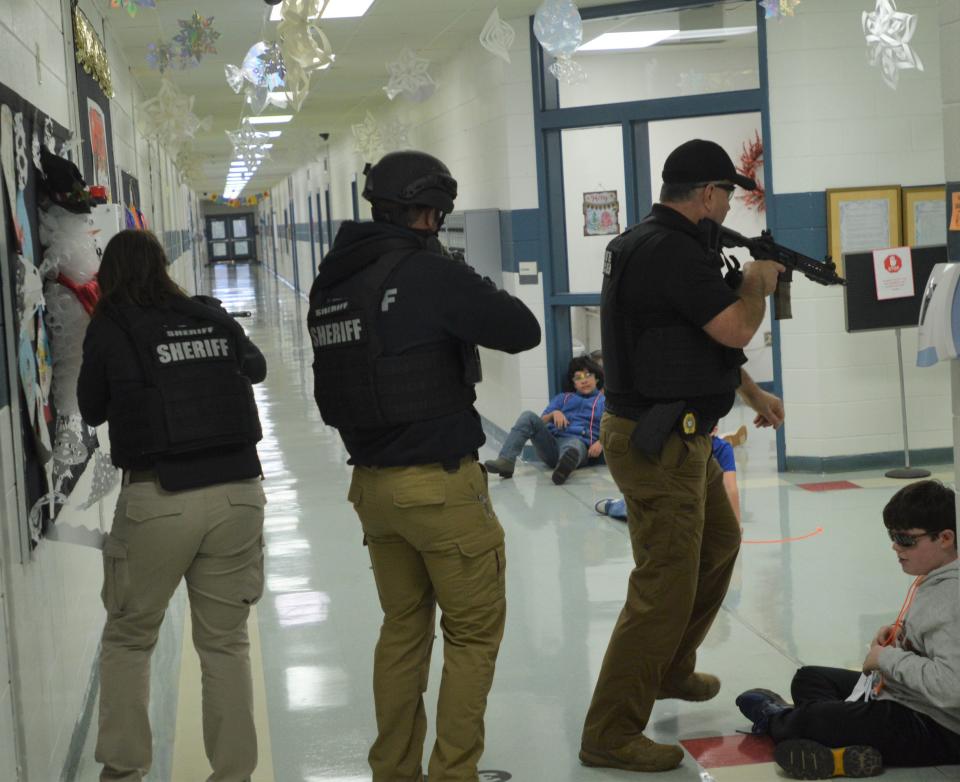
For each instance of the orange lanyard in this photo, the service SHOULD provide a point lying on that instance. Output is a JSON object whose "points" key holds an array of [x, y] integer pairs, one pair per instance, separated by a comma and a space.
{"points": [[894, 633]]}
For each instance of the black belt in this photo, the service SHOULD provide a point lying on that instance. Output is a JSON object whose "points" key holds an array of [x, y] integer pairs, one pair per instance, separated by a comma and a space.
{"points": [[453, 463]]}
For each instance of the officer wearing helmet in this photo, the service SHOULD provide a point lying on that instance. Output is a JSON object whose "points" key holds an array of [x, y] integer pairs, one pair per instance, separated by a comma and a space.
{"points": [[394, 323]]}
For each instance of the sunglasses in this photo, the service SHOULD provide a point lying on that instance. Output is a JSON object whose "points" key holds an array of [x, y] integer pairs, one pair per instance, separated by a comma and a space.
{"points": [[582, 375], [908, 539]]}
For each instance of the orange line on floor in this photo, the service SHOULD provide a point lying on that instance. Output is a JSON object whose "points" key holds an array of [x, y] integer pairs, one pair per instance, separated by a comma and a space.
{"points": [[817, 531]]}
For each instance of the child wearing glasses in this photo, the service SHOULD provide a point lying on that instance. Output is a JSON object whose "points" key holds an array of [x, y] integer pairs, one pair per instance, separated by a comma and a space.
{"points": [[904, 709], [566, 435]]}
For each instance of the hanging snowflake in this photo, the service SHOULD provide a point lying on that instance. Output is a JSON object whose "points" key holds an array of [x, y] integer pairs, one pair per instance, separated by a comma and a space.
{"points": [[395, 136], [408, 74], [888, 33], [559, 29], [778, 9], [196, 37], [497, 36], [367, 139], [169, 116], [133, 6], [163, 56], [248, 145]]}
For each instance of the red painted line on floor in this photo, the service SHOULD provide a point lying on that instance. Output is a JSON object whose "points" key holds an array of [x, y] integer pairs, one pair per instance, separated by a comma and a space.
{"points": [[829, 486], [817, 531], [739, 750]]}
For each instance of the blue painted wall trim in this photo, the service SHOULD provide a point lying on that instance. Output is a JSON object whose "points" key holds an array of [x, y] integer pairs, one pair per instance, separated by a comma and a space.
{"points": [[868, 461]]}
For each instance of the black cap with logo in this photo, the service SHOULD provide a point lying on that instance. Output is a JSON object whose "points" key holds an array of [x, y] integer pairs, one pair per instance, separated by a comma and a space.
{"points": [[702, 161]]}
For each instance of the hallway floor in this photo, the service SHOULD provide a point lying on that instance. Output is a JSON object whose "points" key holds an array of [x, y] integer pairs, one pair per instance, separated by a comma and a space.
{"points": [[815, 580]]}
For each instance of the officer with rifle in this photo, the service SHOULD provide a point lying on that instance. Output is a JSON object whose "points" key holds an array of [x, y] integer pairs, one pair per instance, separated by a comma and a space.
{"points": [[672, 331], [394, 322]]}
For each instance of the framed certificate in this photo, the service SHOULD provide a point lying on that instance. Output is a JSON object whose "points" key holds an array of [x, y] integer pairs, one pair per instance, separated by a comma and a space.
{"points": [[862, 219], [925, 216]]}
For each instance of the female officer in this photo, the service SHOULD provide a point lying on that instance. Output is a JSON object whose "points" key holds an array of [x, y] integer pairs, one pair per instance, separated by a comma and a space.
{"points": [[172, 376]]}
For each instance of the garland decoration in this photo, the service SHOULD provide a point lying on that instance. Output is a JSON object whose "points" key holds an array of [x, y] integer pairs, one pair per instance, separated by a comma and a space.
{"points": [[751, 165], [89, 51]]}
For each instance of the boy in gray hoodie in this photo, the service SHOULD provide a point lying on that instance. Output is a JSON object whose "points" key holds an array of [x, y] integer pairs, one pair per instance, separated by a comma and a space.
{"points": [[908, 713]]}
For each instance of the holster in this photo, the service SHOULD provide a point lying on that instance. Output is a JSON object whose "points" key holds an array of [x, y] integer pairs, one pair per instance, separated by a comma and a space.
{"points": [[654, 426]]}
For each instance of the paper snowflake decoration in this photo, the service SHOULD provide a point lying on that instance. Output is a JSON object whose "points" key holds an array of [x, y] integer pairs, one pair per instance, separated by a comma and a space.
{"points": [[395, 136], [778, 9], [169, 117], [497, 36], [163, 56], [408, 74], [248, 145], [133, 6], [366, 138], [196, 37], [888, 33]]}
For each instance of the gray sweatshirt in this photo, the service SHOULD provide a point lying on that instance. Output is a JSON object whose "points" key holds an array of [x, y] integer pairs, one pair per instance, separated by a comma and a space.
{"points": [[923, 671]]}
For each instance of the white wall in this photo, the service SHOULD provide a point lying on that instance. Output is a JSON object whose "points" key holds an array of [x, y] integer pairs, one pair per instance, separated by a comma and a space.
{"points": [[836, 124], [950, 54], [52, 615]]}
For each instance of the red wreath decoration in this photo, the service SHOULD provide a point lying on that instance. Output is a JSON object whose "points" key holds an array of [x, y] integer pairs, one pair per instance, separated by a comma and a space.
{"points": [[751, 164]]}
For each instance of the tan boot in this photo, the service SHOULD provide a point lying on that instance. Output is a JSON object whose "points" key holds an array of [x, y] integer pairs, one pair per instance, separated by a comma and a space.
{"points": [[641, 754], [699, 687]]}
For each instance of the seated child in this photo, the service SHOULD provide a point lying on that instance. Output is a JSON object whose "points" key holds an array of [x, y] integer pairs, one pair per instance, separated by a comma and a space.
{"points": [[909, 713], [567, 433], [722, 452]]}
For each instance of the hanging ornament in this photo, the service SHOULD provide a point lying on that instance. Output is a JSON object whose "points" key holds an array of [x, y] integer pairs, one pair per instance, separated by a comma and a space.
{"points": [[395, 136], [778, 9], [261, 72], [304, 45], [497, 36], [169, 117], [888, 33], [366, 137], [559, 29], [163, 56], [248, 145], [132, 6], [408, 74], [196, 38]]}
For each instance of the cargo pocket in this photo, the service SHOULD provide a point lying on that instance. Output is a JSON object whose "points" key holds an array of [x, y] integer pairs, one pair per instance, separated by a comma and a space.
{"points": [[483, 570], [116, 575], [616, 443]]}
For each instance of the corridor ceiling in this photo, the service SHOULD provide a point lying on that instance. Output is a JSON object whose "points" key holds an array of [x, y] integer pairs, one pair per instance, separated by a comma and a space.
{"points": [[339, 96]]}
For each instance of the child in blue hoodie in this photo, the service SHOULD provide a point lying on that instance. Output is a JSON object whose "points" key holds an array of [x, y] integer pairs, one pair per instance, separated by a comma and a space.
{"points": [[567, 433]]}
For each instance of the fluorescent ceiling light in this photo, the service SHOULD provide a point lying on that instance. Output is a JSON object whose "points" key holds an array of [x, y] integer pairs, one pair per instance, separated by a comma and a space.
{"points": [[336, 9], [269, 119], [641, 39], [280, 98], [270, 133]]}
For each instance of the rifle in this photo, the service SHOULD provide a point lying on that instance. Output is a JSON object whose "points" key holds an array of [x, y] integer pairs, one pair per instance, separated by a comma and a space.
{"points": [[764, 248]]}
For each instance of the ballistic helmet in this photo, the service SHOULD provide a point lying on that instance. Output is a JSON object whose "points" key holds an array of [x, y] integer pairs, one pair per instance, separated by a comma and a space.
{"points": [[411, 179]]}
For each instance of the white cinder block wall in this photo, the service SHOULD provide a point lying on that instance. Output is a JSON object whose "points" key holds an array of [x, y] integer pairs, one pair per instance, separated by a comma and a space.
{"points": [[836, 124], [52, 615], [950, 59], [480, 123]]}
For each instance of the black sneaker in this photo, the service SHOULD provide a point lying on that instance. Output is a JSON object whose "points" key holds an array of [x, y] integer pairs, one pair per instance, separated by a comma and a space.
{"points": [[759, 706], [806, 759], [500, 466], [569, 460]]}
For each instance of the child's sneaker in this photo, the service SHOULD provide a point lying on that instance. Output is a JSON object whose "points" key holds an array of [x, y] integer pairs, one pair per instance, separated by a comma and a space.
{"points": [[806, 759], [759, 706], [603, 506]]}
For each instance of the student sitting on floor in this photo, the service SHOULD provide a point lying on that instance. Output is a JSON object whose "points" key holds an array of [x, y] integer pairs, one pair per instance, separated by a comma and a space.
{"points": [[722, 452], [905, 710], [567, 433]]}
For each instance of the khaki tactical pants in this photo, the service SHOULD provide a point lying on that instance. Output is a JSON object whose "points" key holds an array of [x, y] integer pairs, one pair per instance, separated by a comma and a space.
{"points": [[212, 537], [433, 540], [685, 539]]}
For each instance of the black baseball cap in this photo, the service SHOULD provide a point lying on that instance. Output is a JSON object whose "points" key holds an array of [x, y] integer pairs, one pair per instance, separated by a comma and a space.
{"points": [[702, 161]]}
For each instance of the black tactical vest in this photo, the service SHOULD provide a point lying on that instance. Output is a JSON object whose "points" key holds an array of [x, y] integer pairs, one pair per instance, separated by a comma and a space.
{"points": [[195, 398], [355, 385], [645, 361]]}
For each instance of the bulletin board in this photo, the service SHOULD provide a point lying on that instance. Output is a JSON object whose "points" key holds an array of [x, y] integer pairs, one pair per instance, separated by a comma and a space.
{"points": [[862, 309]]}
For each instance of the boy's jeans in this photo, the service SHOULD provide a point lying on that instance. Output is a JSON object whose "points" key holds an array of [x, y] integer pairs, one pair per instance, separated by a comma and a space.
{"points": [[549, 447]]}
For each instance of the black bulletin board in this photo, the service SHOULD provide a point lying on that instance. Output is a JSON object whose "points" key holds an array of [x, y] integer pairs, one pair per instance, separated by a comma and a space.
{"points": [[862, 309]]}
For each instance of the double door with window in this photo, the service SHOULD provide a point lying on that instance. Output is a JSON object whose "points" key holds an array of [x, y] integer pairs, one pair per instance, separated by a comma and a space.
{"points": [[231, 238]]}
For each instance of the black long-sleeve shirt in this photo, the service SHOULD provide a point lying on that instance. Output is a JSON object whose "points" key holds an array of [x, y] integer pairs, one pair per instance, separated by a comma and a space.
{"points": [[112, 368], [434, 299]]}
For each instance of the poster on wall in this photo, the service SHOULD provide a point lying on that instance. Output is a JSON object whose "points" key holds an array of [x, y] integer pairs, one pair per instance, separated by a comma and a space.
{"points": [[96, 130], [601, 213], [130, 186]]}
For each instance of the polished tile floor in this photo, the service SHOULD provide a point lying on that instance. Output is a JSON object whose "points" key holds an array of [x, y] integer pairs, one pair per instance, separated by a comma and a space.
{"points": [[816, 578]]}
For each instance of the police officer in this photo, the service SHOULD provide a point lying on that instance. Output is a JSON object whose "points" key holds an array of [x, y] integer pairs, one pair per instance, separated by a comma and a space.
{"points": [[672, 331], [394, 323], [172, 377]]}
